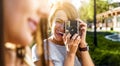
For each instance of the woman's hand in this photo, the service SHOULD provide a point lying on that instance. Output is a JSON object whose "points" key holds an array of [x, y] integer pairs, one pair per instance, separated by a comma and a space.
{"points": [[83, 28], [71, 43]]}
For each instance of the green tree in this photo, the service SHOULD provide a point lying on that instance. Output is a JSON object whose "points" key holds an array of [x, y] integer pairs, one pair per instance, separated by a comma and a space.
{"points": [[86, 11], [101, 6]]}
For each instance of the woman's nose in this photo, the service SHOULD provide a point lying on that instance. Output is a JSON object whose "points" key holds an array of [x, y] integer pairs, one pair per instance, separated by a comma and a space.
{"points": [[62, 26]]}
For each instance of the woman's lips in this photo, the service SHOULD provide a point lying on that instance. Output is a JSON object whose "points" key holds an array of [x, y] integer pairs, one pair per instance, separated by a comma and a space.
{"points": [[32, 24], [60, 33]]}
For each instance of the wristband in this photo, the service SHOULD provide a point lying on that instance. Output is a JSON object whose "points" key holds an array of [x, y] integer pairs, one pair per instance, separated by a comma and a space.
{"points": [[84, 48]]}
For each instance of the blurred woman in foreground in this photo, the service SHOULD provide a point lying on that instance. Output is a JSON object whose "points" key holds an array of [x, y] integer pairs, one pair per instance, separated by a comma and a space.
{"points": [[21, 18]]}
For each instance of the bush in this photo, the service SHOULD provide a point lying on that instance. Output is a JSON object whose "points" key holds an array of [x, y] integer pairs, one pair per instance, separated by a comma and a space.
{"points": [[107, 53]]}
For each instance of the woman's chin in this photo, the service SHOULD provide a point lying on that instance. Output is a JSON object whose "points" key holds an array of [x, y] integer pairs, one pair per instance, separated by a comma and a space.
{"points": [[27, 41], [59, 39]]}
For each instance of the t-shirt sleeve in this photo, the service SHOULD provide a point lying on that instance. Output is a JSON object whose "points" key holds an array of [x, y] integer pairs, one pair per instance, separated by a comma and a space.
{"points": [[35, 57]]}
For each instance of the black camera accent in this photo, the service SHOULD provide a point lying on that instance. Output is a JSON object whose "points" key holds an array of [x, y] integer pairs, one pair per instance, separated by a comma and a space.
{"points": [[72, 27]]}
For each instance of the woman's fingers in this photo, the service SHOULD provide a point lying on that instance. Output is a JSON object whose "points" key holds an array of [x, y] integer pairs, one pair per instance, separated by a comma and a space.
{"points": [[83, 29], [77, 41], [66, 39], [83, 26], [73, 43], [73, 38]]}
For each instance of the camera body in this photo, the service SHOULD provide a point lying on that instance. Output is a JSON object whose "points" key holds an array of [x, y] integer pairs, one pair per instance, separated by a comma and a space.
{"points": [[72, 27]]}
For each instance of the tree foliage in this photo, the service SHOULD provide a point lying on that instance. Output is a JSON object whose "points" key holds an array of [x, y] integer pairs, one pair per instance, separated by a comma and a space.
{"points": [[86, 11], [101, 6]]}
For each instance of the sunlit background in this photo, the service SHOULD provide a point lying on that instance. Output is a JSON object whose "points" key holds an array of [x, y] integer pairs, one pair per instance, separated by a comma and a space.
{"points": [[107, 50], [76, 3]]}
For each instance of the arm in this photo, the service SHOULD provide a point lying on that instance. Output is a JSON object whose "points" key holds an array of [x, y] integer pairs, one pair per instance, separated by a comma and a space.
{"points": [[72, 45], [69, 60], [85, 56], [38, 63], [86, 59]]}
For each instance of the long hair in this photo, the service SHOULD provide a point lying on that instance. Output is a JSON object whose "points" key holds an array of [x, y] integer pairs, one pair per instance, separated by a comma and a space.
{"points": [[40, 35], [1, 35]]}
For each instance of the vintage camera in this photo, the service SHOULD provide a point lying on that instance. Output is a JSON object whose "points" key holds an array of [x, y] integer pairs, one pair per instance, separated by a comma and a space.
{"points": [[72, 27]]}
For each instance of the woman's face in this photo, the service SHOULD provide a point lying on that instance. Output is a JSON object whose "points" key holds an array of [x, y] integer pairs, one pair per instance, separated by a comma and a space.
{"points": [[58, 25], [20, 19]]}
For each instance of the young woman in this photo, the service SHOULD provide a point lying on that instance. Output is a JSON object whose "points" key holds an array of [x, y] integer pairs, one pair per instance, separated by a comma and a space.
{"points": [[20, 20], [58, 42]]}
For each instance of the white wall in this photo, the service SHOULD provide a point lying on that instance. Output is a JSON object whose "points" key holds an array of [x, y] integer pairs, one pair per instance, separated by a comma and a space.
{"points": [[113, 1]]}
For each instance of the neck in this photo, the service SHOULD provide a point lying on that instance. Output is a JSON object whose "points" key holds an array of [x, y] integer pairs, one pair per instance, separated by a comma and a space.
{"points": [[56, 42]]}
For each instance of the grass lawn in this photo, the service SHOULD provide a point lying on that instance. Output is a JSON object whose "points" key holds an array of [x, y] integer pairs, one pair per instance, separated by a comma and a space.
{"points": [[107, 53]]}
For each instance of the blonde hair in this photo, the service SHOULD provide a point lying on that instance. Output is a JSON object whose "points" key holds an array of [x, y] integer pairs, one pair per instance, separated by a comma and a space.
{"points": [[40, 35], [67, 7]]}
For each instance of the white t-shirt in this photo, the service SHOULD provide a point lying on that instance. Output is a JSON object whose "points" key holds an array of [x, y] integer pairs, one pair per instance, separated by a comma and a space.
{"points": [[57, 54]]}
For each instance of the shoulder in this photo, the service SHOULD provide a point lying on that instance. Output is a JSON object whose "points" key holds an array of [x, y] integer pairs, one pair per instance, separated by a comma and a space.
{"points": [[35, 57], [34, 47]]}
